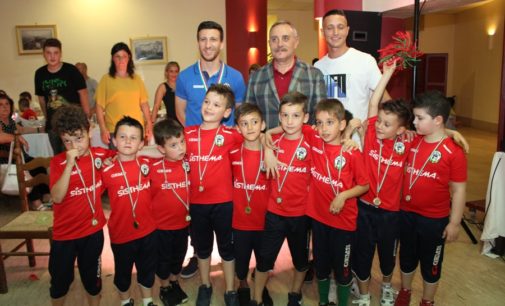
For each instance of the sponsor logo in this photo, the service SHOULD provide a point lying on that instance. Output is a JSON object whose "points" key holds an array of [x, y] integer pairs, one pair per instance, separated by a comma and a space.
{"points": [[83, 190], [123, 191], [206, 158]]}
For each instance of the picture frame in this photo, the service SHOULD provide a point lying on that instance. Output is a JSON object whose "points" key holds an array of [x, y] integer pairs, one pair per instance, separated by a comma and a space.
{"points": [[31, 38], [149, 50]]}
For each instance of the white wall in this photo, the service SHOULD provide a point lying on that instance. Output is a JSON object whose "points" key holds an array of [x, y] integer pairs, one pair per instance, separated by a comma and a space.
{"points": [[89, 28]]}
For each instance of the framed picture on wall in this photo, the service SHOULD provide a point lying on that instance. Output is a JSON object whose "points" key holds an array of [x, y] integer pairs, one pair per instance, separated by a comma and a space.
{"points": [[31, 38], [149, 50]]}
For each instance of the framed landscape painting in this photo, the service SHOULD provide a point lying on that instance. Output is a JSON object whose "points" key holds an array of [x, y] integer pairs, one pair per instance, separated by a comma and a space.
{"points": [[149, 50], [31, 38]]}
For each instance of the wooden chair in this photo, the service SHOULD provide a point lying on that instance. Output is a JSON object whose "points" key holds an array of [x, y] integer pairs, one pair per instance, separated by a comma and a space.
{"points": [[29, 224]]}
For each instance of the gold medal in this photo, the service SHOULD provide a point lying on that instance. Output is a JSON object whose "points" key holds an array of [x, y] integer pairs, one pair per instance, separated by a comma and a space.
{"points": [[279, 200], [377, 201], [135, 224], [248, 210], [200, 188], [188, 218], [94, 222], [408, 198]]}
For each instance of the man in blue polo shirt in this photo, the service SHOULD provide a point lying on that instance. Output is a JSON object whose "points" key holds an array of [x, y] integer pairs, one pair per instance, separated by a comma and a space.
{"points": [[192, 82]]}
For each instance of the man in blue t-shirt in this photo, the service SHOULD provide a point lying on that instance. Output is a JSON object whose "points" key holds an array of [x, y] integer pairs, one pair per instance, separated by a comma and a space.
{"points": [[192, 82]]}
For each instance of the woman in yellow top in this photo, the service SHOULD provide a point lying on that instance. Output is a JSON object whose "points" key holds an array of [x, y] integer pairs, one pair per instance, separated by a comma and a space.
{"points": [[120, 93]]}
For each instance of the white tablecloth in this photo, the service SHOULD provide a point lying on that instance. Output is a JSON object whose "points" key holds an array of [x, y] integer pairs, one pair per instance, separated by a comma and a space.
{"points": [[494, 225], [39, 145]]}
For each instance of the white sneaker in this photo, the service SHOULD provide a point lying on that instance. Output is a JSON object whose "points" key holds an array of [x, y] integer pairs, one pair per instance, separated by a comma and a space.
{"points": [[332, 295], [362, 301], [388, 296], [355, 288]]}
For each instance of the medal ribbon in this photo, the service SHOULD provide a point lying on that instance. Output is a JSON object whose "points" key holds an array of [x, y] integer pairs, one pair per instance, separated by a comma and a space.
{"points": [[219, 79], [411, 183], [133, 204], [335, 192], [90, 202], [200, 172], [249, 196], [186, 204], [279, 186], [390, 160]]}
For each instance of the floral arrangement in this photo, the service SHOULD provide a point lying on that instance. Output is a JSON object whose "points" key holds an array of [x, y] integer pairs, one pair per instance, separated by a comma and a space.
{"points": [[402, 49]]}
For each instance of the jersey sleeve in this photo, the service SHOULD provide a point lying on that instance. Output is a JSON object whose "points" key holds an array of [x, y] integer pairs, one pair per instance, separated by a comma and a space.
{"points": [[77, 78], [458, 166], [359, 170], [55, 171], [180, 90]]}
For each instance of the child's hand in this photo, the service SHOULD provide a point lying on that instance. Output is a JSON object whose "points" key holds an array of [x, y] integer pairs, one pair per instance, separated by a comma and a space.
{"points": [[72, 156], [268, 141], [461, 141], [408, 135], [389, 67], [349, 145], [451, 232], [337, 204], [271, 163], [109, 160]]}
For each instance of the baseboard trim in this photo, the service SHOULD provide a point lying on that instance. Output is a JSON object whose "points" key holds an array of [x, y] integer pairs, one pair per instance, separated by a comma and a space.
{"points": [[478, 124]]}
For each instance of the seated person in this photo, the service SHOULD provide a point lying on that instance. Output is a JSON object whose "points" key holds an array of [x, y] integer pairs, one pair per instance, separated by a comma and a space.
{"points": [[26, 112]]}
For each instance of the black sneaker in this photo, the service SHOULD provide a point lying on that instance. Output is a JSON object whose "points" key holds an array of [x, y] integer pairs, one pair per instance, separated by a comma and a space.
{"points": [[204, 296], [231, 298], [254, 303], [244, 296], [267, 299], [167, 296], [180, 296], [150, 304], [191, 268], [294, 299]]}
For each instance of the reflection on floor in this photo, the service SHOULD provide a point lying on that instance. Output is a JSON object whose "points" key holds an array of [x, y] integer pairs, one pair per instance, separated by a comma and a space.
{"points": [[468, 279]]}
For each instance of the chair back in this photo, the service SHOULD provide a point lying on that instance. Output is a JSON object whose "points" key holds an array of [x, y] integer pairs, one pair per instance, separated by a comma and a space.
{"points": [[27, 182]]}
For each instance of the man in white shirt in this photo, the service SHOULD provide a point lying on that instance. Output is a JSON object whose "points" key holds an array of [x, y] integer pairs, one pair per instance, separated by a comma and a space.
{"points": [[350, 75]]}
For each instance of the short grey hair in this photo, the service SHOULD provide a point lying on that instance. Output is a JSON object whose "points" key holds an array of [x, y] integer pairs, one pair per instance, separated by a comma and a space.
{"points": [[281, 22]]}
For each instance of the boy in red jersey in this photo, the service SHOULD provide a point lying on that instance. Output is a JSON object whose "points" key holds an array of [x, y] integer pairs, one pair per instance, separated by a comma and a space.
{"points": [[433, 197], [285, 217], [338, 177], [131, 226], [385, 152], [250, 194], [208, 147], [170, 208], [76, 189]]}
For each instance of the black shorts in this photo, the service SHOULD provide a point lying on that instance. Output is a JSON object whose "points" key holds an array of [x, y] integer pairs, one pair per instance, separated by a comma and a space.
{"points": [[62, 257], [143, 253], [244, 243], [172, 247], [278, 228], [376, 227], [332, 249], [421, 242], [207, 220]]}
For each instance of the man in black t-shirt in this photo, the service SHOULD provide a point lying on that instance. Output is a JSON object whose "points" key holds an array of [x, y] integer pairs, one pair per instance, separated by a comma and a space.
{"points": [[57, 84]]}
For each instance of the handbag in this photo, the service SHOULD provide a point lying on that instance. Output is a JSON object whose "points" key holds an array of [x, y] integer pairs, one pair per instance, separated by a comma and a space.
{"points": [[9, 177]]}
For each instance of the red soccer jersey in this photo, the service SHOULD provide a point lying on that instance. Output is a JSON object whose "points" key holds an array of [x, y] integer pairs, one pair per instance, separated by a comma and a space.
{"points": [[73, 217], [259, 193], [430, 194], [293, 194], [121, 221], [167, 180], [326, 157], [215, 169], [398, 152]]}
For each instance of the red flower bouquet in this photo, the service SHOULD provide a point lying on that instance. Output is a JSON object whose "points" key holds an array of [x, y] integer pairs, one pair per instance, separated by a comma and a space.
{"points": [[403, 49]]}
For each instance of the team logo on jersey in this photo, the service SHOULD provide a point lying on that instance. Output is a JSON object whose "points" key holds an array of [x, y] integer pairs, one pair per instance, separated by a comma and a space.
{"points": [[219, 140], [435, 156], [339, 162], [301, 153], [144, 168], [98, 163], [185, 166], [399, 148]]}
